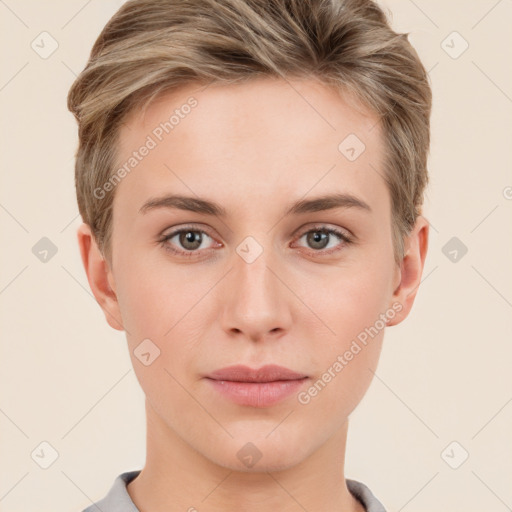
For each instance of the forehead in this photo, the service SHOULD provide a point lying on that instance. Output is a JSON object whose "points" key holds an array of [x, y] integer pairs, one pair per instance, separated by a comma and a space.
{"points": [[268, 103], [264, 136]]}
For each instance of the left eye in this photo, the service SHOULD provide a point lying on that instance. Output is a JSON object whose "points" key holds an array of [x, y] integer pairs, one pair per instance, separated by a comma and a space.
{"points": [[320, 238]]}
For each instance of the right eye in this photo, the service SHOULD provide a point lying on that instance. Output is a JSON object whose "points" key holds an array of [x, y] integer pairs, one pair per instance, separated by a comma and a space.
{"points": [[189, 241]]}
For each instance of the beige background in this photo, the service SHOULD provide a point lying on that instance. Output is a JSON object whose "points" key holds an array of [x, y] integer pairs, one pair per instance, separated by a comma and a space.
{"points": [[445, 374]]}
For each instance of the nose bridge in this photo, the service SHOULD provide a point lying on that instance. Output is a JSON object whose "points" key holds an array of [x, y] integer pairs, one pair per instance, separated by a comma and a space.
{"points": [[256, 301]]}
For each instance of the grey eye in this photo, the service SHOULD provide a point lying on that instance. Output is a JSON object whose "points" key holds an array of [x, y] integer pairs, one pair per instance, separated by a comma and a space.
{"points": [[317, 239]]}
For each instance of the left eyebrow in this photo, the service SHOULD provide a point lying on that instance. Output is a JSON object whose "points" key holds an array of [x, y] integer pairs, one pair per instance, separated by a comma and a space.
{"points": [[198, 205], [328, 202]]}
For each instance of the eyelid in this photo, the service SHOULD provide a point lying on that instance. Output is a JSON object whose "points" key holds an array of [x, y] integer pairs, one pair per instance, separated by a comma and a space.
{"points": [[319, 226], [191, 227]]}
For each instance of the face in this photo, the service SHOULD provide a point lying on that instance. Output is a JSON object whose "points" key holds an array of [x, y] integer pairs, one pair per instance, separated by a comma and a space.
{"points": [[279, 252]]}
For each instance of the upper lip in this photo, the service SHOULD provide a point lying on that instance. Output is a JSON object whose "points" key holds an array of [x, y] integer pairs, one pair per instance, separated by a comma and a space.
{"points": [[267, 373]]}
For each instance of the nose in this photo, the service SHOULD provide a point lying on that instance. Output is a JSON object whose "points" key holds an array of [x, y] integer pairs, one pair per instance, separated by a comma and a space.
{"points": [[255, 301]]}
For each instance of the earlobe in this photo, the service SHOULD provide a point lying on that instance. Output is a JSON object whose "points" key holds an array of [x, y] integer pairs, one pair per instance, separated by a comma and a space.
{"points": [[100, 277], [411, 269]]}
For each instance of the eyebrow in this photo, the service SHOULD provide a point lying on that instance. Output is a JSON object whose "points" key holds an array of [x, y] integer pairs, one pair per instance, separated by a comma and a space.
{"points": [[198, 205]]}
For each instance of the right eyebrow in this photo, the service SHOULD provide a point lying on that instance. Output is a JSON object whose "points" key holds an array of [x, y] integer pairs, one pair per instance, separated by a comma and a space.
{"points": [[191, 204]]}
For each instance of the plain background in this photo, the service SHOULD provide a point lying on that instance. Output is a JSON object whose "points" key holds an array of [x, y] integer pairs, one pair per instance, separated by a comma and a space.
{"points": [[444, 375]]}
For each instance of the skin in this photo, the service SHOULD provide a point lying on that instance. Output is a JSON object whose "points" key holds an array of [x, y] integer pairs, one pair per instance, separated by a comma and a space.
{"points": [[254, 148]]}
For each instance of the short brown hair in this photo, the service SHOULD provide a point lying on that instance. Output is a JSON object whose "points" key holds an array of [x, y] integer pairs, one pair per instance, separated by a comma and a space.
{"points": [[154, 46]]}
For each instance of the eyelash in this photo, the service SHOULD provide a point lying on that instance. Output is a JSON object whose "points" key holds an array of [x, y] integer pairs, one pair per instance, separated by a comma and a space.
{"points": [[343, 237]]}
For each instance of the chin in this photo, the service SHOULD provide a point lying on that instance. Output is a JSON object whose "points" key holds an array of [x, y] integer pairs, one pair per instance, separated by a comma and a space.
{"points": [[259, 455]]}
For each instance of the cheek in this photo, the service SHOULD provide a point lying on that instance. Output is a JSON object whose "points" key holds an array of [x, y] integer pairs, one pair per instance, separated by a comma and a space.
{"points": [[148, 293], [352, 307], [157, 307], [145, 304], [345, 365], [352, 298], [345, 379], [167, 304]]}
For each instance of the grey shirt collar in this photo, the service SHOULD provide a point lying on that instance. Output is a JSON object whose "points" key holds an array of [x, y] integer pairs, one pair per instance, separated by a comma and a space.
{"points": [[118, 499]]}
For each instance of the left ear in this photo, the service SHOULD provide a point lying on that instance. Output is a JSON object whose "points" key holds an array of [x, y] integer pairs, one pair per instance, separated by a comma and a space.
{"points": [[411, 269]]}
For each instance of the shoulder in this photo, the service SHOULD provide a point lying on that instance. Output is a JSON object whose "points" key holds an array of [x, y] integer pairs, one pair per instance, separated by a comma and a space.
{"points": [[117, 498], [365, 496]]}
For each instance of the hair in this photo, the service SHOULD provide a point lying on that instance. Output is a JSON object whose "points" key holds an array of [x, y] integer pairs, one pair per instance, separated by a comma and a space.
{"points": [[151, 47]]}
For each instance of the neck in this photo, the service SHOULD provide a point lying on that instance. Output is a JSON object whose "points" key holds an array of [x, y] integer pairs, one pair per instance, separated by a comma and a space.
{"points": [[178, 478]]}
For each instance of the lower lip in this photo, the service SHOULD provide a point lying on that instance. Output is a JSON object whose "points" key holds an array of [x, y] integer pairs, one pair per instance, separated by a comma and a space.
{"points": [[257, 394]]}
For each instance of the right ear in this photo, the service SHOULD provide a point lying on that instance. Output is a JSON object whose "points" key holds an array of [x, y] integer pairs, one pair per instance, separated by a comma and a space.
{"points": [[100, 277]]}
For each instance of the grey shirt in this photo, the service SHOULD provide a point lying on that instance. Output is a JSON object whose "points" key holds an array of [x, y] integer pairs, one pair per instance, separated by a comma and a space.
{"points": [[118, 499]]}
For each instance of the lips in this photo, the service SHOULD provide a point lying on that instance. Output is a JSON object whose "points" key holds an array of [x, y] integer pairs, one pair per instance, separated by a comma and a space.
{"points": [[267, 373], [262, 387]]}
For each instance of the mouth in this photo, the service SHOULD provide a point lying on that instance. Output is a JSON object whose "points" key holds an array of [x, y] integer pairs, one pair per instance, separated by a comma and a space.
{"points": [[260, 387]]}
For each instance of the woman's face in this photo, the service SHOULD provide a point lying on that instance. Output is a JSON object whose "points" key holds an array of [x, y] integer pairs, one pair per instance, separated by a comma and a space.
{"points": [[267, 274]]}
